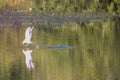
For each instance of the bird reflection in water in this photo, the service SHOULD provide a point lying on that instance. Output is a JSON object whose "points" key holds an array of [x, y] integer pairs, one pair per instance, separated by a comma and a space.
{"points": [[28, 36], [28, 58]]}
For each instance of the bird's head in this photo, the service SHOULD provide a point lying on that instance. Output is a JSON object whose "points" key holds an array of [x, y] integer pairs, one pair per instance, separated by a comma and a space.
{"points": [[23, 42]]}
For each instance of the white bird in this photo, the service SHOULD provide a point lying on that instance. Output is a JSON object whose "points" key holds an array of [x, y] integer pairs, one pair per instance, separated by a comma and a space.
{"points": [[28, 35], [28, 59]]}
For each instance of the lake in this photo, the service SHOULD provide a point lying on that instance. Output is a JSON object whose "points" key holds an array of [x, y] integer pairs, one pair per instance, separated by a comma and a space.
{"points": [[70, 47]]}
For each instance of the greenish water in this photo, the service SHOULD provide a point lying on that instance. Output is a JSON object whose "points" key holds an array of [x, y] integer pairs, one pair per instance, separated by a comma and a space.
{"points": [[93, 53], [72, 39]]}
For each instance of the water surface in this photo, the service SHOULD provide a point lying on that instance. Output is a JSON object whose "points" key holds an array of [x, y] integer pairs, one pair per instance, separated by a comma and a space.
{"points": [[63, 48]]}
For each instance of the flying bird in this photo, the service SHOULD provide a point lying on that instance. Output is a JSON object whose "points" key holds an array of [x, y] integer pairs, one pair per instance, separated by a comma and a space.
{"points": [[28, 35]]}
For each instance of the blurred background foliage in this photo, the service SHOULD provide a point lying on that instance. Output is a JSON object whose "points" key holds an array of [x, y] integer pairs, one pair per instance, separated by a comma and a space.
{"points": [[111, 6], [95, 44]]}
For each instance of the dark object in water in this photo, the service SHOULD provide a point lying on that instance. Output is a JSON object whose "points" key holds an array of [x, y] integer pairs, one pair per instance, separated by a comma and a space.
{"points": [[59, 47]]}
